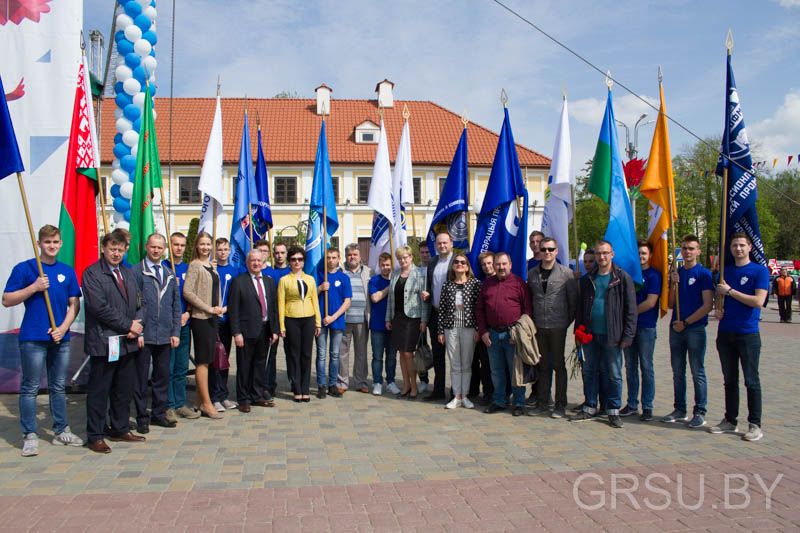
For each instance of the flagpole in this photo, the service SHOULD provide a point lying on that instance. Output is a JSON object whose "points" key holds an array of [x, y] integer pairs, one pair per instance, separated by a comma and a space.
{"points": [[670, 200], [468, 215], [504, 101], [724, 222], [87, 80], [324, 223], [214, 201], [575, 227], [102, 202], [406, 114]]}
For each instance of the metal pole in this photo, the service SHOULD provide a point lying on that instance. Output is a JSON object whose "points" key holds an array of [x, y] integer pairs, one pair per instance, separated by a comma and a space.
{"points": [[166, 230]]}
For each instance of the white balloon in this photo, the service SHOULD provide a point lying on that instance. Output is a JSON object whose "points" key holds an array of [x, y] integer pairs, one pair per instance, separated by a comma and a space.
{"points": [[133, 33], [132, 86], [119, 176], [123, 125], [115, 164], [142, 47], [150, 63], [122, 224], [155, 115], [151, 13], [118, 217], [144, 3], [126, 190], [130, 138], [123, 72], [118, 113], [123, 21], [135, 150], [138, 100]]}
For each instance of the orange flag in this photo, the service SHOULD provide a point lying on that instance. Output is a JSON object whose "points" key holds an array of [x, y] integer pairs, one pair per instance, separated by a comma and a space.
{"points": [[658, 186]]}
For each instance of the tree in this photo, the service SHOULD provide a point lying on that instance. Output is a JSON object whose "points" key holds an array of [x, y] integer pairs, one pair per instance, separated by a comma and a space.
{"points": [[191, 236], [289, 94], [781, 195], [591, 213]]}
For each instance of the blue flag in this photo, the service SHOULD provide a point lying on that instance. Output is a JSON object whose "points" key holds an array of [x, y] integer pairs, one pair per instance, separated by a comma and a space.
{"points": [[245, 193], [322, 205], [451, 212], [263, 213], [499, 227], [742, 186], [10, 159]]}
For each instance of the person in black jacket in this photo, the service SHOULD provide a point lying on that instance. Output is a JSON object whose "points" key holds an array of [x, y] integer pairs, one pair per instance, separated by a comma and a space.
{"points": [[162, 329], [607, 309], [114, 313], [253, 316]]}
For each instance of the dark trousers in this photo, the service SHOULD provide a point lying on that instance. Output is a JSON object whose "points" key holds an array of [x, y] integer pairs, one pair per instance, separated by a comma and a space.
{"points": [[114, 383], [261, 369], [481, 372], [438, 350], [551, 343], [785, 307], [249, 362], [218, 379], [272, 369], [298, 345], [745, 349], [159, 355]]}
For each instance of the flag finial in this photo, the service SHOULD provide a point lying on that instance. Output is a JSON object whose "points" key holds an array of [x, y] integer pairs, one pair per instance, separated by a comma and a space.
{"points": [[83, 42], [324, 109], [504, 97], [464, 119], [564, 91], [406, 112], [258, 120], [660, 75], [729, 41], [218, 84], [609, 80]]}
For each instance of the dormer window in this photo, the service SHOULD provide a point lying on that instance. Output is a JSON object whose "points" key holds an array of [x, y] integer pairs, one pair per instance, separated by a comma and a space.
{"points": [[367, 132]]}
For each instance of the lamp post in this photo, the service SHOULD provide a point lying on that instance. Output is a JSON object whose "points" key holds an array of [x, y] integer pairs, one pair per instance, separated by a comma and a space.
{"points": [[632, 148]]}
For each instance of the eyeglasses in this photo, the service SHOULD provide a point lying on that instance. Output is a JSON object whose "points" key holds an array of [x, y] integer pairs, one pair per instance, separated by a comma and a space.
{"points": [[548, 249], [459, 262], [296, 259], [602, 253]]}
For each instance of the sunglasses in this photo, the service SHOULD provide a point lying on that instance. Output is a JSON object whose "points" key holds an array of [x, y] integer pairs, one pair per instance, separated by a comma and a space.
{"points": [[547, 249], [459, 262], [296, 259]]}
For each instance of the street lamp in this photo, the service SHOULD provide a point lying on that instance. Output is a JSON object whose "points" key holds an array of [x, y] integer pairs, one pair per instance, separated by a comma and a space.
{"points": [[632, 148]]}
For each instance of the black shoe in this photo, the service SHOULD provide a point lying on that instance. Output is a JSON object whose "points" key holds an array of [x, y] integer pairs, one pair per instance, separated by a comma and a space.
{"points": [[333, 391], [647, 415], [493, 408], [143, 427], [627, 411], [321, 393], [162, 422], [434, 398], [581, 416], [615, 421], [517, 411], [531, 399]]}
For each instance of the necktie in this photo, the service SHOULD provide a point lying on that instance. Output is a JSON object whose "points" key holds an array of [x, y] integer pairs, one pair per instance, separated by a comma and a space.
{"points": [[261, 299], [121, 284], [157, 269]]}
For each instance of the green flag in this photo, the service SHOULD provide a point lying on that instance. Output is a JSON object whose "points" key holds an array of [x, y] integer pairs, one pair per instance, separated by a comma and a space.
{"points": [[147, 178]]}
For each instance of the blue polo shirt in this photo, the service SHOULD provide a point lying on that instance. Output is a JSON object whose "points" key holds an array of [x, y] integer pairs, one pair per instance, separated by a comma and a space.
{"points": [[339, 290], [180, 271], [226, 275], [652, 285], [693, 281], [377, 318], [738, 317], [63, 286]]}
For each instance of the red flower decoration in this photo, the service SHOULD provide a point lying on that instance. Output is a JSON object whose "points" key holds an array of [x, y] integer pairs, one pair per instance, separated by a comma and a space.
{"points": [[582, 336], [634, 171], [18, 92], [19, 10]]}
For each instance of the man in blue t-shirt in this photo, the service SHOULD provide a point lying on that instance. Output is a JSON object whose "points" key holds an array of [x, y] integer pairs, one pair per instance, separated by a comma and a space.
{"points": [[640, 353], [280, 267], [39, 344], [218, 379], [339, 294], [378, 289], [745, 286], [691, 303], [534, 240]]}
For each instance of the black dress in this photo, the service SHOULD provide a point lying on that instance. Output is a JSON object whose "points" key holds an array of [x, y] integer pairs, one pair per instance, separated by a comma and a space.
{"points": [[405, 330], [204, 331]]}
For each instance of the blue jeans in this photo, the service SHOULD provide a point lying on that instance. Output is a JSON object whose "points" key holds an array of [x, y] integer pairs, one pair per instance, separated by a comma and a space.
{"points": [[382, 342], [33, 356], [501, 360], [692, 341], [602, 375], [640, 354], [178, 367], [322, 352]]}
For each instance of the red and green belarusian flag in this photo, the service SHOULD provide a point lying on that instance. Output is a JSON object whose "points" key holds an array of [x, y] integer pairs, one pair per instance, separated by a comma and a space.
{"points": [[147, 178], [78, 218]]}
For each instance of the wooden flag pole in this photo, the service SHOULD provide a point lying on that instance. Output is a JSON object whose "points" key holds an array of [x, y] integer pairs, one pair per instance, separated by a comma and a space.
{"points": [[325, 246], [35, 249], [214, 225], [575, 227], [166, 230], [670, 200], [467, 214], [724, 222], [102, 202]]}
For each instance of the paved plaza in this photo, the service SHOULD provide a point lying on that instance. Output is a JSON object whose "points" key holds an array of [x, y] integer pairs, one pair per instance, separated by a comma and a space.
{"points": [[364, 463]]}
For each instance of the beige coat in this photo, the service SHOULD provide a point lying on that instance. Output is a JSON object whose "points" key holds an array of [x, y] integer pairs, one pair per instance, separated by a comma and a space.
{"points": [[197, 290], [523, 332]]}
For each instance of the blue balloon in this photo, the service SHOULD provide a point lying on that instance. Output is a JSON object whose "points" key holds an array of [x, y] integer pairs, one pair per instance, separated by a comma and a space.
{"points": [[133, 60], [127, 215], [143, 21], [119, 36], [121, 150], [124, 47], [153, 88], [132, 112], [115, 190], [140, 74], [153, 52], [121, 204], [151, 36], [123, 99], [137, 124], [128, 164], [117, 138], [118, 88], [133, 9]]}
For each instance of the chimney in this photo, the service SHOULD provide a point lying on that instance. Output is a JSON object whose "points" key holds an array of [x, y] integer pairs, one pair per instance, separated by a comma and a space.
{"points": [[384, 90], [323, 99]]}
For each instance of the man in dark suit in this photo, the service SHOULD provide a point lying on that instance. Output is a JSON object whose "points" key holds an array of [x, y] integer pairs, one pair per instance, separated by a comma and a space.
{"points": [[114, 312], [253, 316], [438, 267]]}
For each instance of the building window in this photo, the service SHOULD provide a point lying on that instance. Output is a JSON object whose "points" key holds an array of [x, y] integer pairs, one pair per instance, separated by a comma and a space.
{"points": [[441, 185], [285, 189], [367, 137], [189, 193], [335, 180], [367, 132], [363, 188], [417, 190]]}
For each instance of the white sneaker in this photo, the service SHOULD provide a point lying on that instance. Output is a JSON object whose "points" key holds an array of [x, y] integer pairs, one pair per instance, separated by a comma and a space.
{"points": [[391, 387], [229, 404], [455, 402], [377, 389], [30, 446], [467, 403], [723, 427], [422, 387], [67, 438], [753, 434], [219, 407]]}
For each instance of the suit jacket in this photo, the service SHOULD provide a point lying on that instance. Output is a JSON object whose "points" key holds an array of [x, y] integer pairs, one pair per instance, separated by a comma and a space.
{"points": [[244, 309], [108, 312], [429, 278]]}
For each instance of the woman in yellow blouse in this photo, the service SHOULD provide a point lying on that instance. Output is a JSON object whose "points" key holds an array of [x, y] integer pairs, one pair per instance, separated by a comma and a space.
{"points": [[298, 314]]}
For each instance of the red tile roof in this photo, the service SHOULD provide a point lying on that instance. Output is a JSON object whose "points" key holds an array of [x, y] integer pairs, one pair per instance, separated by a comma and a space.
{"points": [[290, 129]]}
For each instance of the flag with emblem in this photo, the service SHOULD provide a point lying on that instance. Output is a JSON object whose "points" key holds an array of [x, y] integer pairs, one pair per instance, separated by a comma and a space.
{"points": [[558, 198]]}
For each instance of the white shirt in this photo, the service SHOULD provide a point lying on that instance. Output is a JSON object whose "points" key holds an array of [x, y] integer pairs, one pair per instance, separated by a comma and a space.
{"points": [[439, 277], [259, 280], [160, 273]]}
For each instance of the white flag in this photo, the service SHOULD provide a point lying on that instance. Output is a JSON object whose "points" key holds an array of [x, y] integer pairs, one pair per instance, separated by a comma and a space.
{"points": [[558, 199], [380, 200], [211, 175], [402, 186]]}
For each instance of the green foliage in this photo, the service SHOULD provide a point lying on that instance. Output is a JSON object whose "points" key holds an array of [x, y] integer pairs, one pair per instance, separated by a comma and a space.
{"points": [[591, 213], [191, 236], [784, 214], [289, 94]]}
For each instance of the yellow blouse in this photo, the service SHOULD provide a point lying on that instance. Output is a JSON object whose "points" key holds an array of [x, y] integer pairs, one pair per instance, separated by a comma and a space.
{"points": [[290, 305]]}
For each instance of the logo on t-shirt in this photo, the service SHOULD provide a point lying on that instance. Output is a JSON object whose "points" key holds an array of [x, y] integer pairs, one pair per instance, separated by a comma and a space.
{"points": [[337, 283], [183, 276], [227, 277], [61, 278], [744, 280], [691, 281]]}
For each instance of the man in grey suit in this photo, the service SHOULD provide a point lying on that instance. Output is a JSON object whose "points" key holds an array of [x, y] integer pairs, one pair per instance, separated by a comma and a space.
{"points": [[438, 268]]}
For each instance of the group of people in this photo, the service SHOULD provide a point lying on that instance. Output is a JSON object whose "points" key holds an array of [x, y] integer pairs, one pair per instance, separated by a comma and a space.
{"points": [[497, 331]]}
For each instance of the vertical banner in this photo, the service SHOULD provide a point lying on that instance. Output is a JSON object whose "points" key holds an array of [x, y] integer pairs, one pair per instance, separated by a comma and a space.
{"points": [[41, 54]]}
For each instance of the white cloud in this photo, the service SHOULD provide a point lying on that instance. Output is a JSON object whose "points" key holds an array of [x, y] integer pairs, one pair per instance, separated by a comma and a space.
{"points": [[627, 108], [779, 135], [789, 3]]}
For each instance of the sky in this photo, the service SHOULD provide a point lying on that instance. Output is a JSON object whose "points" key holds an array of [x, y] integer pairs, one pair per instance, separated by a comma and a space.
{"points": [[462, 53]]}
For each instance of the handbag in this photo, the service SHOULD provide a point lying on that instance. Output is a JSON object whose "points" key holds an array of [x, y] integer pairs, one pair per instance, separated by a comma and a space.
{"points": [[423, 356], [220, 361]]}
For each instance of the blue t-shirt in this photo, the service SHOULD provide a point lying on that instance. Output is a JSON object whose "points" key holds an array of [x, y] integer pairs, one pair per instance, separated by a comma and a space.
{"points": [[180, 271], [377, 316], [63, 286], [738, 317], [693, 282], [339, 290], [598, 321], [533, 262], [278, 273], [226, 275], [652, 285]]}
